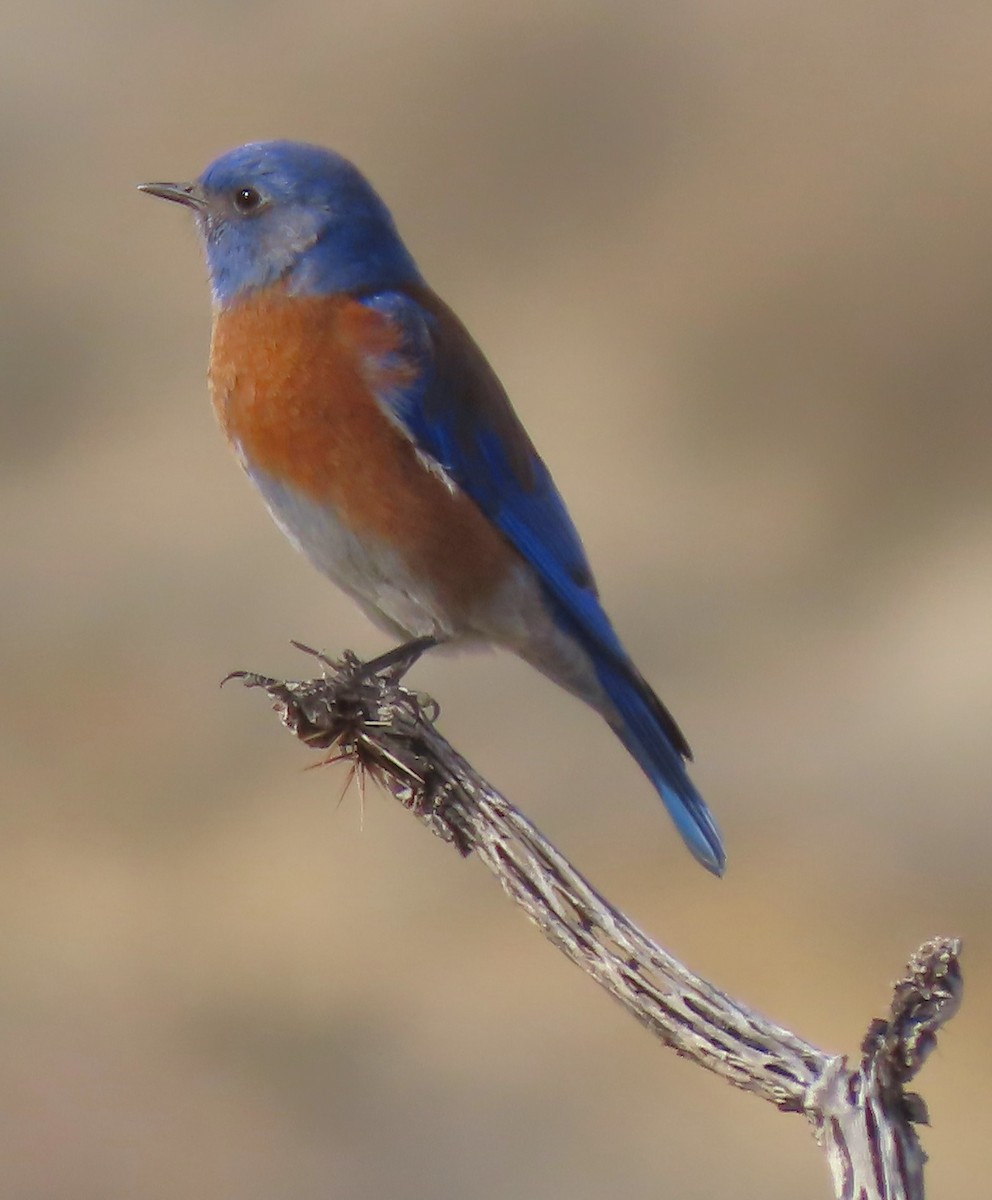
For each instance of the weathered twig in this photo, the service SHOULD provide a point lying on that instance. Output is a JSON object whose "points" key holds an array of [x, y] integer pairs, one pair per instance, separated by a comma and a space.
{"points": [[862, 1116]]}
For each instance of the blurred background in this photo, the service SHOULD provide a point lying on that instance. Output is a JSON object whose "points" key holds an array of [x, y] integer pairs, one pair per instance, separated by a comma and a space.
{"points": [[733, 262]]}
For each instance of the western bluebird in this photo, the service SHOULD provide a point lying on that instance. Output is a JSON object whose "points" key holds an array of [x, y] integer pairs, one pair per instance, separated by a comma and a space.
{"points": [[386, 448]]}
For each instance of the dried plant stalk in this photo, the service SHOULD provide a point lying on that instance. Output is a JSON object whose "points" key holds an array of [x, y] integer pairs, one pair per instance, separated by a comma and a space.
{"points": [[862, 1116]]}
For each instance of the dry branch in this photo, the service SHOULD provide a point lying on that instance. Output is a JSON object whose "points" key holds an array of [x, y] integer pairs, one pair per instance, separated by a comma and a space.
{"points": [[862, 1115]]}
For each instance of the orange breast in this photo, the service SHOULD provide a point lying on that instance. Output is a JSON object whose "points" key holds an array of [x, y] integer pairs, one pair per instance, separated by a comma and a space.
{"points": [[293, 381]]}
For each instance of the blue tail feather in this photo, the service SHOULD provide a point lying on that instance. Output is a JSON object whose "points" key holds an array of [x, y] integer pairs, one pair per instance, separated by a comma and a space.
{"points": [[645, 728], [641, 721]]}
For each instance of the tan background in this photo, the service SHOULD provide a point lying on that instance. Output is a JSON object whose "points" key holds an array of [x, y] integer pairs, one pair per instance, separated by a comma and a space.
{"points": [[734, 262]]}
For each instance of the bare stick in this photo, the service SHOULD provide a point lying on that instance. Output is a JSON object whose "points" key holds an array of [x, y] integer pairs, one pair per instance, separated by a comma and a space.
{"points": [[862, 1115]]}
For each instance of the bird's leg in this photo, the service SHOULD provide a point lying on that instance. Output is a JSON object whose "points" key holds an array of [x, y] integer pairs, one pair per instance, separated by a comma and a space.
{"points": [[399, 660]]}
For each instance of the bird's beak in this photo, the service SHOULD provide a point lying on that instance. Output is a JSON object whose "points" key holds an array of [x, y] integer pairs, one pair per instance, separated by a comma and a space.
{"points": [[189, 194]]}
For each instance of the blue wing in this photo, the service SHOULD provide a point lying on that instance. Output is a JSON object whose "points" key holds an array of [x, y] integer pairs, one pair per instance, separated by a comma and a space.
{"points": [[457, 412]]}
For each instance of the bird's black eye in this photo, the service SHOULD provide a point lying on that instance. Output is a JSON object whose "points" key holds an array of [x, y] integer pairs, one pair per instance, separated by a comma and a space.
{"points": [[247, 200]]}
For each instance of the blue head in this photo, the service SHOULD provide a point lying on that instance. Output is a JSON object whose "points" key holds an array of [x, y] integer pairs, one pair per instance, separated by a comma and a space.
{"points": [[287, 211]]}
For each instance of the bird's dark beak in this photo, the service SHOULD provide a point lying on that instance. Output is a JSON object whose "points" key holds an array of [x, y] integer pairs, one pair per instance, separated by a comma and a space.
{"points": [[183, 193]]}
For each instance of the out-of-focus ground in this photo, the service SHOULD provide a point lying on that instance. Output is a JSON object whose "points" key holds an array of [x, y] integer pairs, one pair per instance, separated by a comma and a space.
{"points": [[734, 263]]}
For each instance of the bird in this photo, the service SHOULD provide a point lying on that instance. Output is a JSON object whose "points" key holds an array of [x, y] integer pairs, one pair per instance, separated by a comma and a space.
{"points": [[386, 448]]}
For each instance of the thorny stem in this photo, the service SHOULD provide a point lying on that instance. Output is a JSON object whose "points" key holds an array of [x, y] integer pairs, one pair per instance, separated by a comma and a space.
{"points": [[862, 1116]]}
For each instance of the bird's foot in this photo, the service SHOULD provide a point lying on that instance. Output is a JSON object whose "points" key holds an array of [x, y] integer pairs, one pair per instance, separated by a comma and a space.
{"points": [[397, 661]]}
